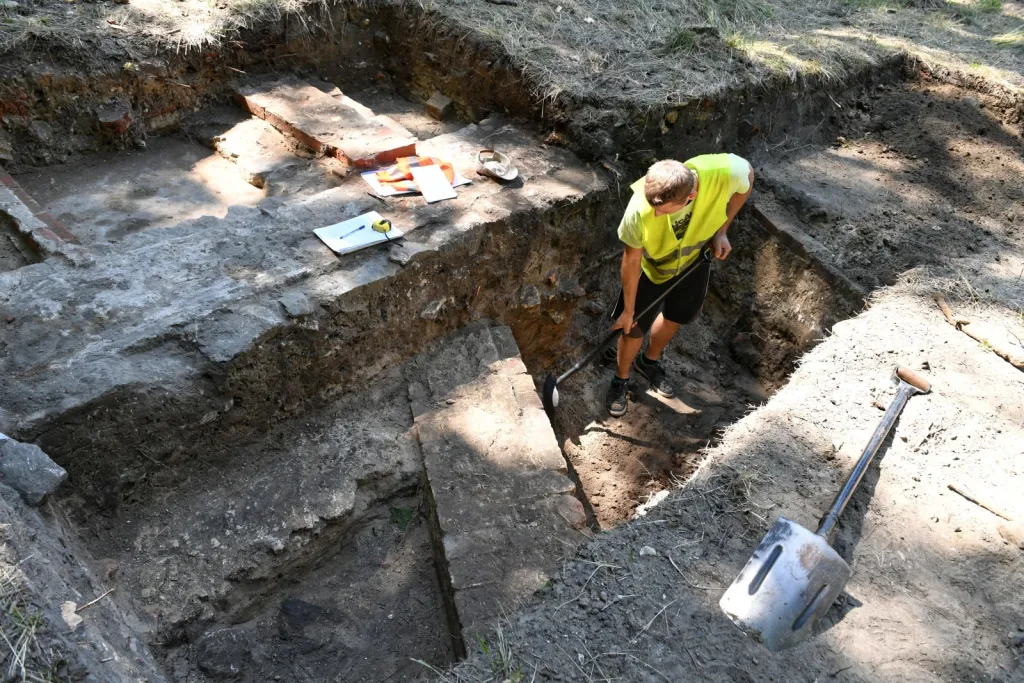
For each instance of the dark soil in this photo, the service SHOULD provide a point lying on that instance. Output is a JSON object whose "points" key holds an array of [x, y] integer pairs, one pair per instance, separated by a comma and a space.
{"points": [[621, 462], [363, 615], [14, 251], [919, 173]]}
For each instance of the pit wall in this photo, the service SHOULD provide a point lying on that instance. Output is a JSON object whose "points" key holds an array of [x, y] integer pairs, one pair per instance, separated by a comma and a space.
{"points": [[486, 272], [52, 109], [43, 564]]}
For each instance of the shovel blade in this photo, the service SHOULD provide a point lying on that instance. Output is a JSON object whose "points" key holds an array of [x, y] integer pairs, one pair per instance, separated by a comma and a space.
{"points": [[791, 580]]}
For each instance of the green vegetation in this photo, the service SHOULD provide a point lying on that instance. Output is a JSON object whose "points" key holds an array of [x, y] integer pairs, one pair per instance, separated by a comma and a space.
{"points": [[402, 517]]}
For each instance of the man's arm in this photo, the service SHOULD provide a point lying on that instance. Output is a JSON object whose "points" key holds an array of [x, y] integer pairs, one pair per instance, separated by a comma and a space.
{"points": [[720, 242], [630, 280]]}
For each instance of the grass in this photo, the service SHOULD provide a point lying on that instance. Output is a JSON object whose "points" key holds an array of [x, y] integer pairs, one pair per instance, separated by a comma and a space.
{"points": [[1013, 40], [645, 54], [650, 54], [22, 656]]}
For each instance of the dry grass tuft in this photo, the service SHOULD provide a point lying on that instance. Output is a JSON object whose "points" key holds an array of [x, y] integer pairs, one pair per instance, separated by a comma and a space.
{"points": [[645, 54], [651, 54], [22, 657]]}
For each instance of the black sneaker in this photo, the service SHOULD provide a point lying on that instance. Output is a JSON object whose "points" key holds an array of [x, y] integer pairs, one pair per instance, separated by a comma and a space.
{"points": [[655, 374], [616, 401], [610, 355]]}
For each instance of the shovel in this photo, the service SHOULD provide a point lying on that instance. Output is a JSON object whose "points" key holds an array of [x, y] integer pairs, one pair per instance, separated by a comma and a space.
{"points": [[549, 395], [794, 575]]}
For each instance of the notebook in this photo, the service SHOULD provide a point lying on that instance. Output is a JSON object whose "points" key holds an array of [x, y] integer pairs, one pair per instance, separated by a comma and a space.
{"points": [[355, 234]]}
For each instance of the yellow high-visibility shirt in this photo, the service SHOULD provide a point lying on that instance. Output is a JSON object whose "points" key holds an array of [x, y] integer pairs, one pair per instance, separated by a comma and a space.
{"points": [[673, 241]]}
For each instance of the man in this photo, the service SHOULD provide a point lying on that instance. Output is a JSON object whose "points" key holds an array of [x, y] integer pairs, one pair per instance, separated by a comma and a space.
{"points": [[676, 209]]}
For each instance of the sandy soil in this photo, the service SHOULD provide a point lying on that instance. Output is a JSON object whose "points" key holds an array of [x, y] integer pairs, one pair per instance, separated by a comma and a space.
{"points": [[933, 594]]}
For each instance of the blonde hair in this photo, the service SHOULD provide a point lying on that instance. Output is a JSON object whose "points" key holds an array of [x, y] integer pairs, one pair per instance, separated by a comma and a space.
{"points": [[667, 181]]}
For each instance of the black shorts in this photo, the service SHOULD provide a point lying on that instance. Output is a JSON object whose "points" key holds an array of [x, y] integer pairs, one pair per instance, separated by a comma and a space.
{"points": [[681, 306]]}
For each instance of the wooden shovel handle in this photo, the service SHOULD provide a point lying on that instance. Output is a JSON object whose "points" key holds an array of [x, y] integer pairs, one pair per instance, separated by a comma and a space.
{"points": [[913, 379]]}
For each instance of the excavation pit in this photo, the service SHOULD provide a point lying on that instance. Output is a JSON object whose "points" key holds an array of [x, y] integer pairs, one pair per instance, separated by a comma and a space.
{"points": [[247, 464], [266, 453]]}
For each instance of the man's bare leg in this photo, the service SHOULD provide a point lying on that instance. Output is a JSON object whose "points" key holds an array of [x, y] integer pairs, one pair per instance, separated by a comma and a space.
{"points": [[627, 350], [661, 334]]}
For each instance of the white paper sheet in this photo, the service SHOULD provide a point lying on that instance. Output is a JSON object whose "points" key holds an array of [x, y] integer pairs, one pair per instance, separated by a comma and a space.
{"points": [[433, 183], [355, 234]]}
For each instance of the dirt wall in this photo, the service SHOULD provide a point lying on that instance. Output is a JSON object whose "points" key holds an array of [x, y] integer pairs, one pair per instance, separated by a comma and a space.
{"points": [[57, 104]]}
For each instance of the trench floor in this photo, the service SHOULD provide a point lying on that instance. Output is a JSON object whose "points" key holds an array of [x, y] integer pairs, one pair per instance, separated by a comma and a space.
{"points": [[108, 196], [302, 551], [622, 462], [362, 614]]}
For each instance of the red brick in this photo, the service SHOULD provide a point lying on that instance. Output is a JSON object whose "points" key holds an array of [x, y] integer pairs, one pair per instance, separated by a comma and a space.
{"points": [[55, 230], [333, 126], [62, 233]]}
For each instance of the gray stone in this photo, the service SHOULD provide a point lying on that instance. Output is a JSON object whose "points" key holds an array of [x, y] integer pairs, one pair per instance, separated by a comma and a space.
{"points": [[529, 296], [29, 471], [296, 304], [224, 653], [503, 502], [405, 252], [259, 151]]}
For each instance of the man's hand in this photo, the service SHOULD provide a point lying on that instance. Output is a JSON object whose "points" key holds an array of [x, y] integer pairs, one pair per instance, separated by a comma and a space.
{"points": [[624, 322], [720, 246]]}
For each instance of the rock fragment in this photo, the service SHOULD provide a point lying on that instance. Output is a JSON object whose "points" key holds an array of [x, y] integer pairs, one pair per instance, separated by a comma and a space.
{"points": [[29, 471], [223, 654]]}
